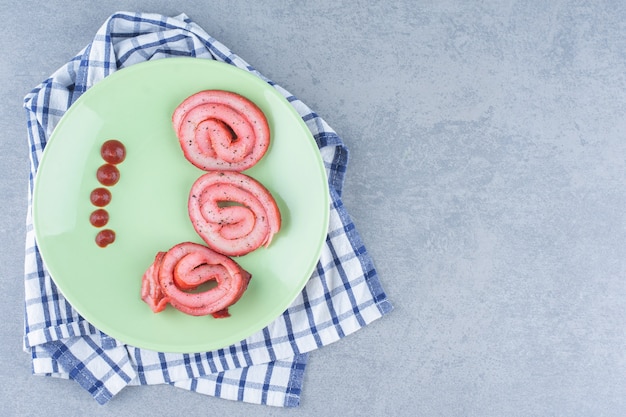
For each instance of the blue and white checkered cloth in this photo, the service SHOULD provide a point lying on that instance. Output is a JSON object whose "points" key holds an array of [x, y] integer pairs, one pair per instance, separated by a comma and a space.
{"points": [[342, 296]]}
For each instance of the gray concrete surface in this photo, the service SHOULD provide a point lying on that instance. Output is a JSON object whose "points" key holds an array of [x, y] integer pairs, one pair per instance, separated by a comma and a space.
{"points": [[487, 179]]}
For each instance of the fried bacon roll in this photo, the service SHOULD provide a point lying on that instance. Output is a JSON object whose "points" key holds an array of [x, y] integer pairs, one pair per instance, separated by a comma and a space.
{"points": [[220, 130], [175, 278], [233, 213]]}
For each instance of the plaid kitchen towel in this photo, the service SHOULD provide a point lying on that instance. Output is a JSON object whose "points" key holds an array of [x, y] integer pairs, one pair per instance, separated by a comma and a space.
{"points": [[342, 296]]}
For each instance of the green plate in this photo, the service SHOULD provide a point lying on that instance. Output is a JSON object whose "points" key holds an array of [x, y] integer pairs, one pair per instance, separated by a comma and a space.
{"points": [[148, 210]]}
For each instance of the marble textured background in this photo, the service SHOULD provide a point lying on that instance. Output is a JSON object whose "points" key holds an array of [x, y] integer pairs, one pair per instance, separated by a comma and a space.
{"points": [[487, 179]]}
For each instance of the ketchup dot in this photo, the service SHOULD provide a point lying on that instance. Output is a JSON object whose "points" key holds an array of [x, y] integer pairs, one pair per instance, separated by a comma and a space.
{"points": [[99, 217], [108, 175], [113, 151], [100, 197], [105, 237]]}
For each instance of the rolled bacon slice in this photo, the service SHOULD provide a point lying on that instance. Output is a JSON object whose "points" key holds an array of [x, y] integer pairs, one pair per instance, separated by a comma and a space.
{"points": [[174, 274], [221, 130], [233, 213]]}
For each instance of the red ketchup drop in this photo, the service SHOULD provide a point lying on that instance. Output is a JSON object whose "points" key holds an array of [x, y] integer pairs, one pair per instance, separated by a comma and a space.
{"points": [[105, 237], [113, 151], [99, 218], [100, 197], [108, 175]]}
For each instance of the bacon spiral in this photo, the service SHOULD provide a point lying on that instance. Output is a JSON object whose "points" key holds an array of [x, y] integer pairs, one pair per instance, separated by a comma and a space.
{"points": [[233, 213], [221, 130], [175, 273]]}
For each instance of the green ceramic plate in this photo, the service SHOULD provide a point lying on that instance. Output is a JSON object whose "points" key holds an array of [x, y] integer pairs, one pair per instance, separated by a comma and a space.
{"points": [[148, 210]]}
